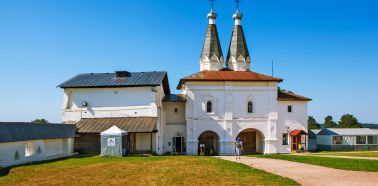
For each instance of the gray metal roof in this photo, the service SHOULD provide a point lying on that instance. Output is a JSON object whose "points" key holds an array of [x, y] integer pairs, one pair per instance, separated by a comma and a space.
{"points": [[174, 98], [238, 45], [19, 131], [128, 124], [348, 131], [93, 80], [211, 46]]}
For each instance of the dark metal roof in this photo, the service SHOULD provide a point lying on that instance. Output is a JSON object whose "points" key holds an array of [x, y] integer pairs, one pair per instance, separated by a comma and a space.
{"points": [[211, 46], [290, 96], [129, 124], [238, 45], [311, 134], [19, 131], [174, 98], [136, 79]]}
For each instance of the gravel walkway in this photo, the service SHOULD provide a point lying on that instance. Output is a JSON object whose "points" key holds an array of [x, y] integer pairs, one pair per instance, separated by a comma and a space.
{"points": [[307, 174]]}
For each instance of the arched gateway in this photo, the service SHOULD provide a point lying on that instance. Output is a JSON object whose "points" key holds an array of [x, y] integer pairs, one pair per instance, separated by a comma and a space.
{"points": [[210, 141], [253, 141]]}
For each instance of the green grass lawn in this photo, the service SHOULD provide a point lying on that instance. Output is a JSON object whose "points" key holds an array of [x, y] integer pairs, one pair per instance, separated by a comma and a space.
{"points": [[353, 153], [337, 163], [156, 170]]}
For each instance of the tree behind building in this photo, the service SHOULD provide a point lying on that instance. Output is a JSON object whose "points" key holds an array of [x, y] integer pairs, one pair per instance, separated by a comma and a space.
{"points": [[40, 121], [348, 121], [329, 123], [312, 124]]}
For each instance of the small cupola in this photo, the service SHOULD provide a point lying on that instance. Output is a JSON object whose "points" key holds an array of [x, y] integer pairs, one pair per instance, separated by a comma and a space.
{"points": [[122, 74]]}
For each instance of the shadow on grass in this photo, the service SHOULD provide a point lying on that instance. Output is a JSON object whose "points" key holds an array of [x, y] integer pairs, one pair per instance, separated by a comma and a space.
{"points": [[5, 170]]}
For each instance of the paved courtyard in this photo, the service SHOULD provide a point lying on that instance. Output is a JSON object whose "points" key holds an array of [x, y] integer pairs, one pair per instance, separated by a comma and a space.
{"points": [[306, 174]]}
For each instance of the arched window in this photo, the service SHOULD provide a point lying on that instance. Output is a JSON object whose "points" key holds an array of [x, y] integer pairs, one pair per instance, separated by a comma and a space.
{"points": [[250, 107], [209, 107]]}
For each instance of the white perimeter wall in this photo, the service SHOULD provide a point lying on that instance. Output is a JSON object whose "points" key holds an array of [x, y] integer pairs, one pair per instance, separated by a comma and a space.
{"points": [[49, 149]]}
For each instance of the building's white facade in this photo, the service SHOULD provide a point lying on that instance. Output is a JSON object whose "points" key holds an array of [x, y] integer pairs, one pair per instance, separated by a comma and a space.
{"points": [[268, 122], [118, 102]]}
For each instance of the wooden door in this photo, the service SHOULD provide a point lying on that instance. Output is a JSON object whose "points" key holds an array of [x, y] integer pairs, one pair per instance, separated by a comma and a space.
{"points": [[249, 142]]}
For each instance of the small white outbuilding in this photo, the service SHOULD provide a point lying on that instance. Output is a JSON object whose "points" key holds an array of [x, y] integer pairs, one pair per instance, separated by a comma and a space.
{"points": [[22, 143], [344, 139], [114, 142]]}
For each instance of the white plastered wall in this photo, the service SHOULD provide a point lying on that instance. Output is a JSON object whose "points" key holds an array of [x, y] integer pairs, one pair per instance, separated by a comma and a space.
{"points": [[117, 102], [175, 123], [42, 150], [289, 121], [229, 116], [109, 102]]}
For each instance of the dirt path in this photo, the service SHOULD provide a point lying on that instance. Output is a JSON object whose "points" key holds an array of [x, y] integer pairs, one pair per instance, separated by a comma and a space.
{"points": [[306, 174]]}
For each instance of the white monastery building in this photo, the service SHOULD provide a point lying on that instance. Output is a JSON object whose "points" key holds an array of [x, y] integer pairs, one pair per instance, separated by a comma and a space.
{"points": [[223, 101]]}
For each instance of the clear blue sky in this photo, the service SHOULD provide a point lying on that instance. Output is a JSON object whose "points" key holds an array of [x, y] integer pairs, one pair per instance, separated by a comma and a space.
{"points": [[326, 50]]}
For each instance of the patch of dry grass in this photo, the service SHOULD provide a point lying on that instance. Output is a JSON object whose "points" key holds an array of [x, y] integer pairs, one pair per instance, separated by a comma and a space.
{"points": [[159, 170]]}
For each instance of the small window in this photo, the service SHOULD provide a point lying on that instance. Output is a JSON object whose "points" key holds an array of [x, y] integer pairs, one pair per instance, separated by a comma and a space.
{"points": [[285, 139], [209, 108], [361, 139], [337, 140], [250, 107], [176, 110], [290, 108], [29, 149], [372, 140]]}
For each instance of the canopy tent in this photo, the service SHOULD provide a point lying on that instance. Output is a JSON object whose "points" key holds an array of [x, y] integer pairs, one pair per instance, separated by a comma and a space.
{"points": [[113, 142]]}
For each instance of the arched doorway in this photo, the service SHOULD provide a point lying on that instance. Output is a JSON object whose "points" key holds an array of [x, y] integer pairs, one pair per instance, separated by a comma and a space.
{"points": [[210, 141], [253, 141]]}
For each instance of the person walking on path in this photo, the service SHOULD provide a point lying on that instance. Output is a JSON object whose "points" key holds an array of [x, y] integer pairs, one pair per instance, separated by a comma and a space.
{"points": [[238, 148]]}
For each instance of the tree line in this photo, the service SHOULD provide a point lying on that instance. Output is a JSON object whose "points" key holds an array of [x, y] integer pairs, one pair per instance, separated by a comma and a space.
{"points": [[346, 121]]}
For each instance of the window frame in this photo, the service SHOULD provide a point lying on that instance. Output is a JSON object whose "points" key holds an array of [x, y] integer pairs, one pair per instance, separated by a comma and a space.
{"points": [[29, 149], [250, 107], [361, 137], [290, 108], [209, 107], [372, 140], [335, 141], [285, 138]]}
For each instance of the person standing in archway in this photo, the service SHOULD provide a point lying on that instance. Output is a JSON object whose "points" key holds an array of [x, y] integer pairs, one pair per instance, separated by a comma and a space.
{"points": [[238, 148]]}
